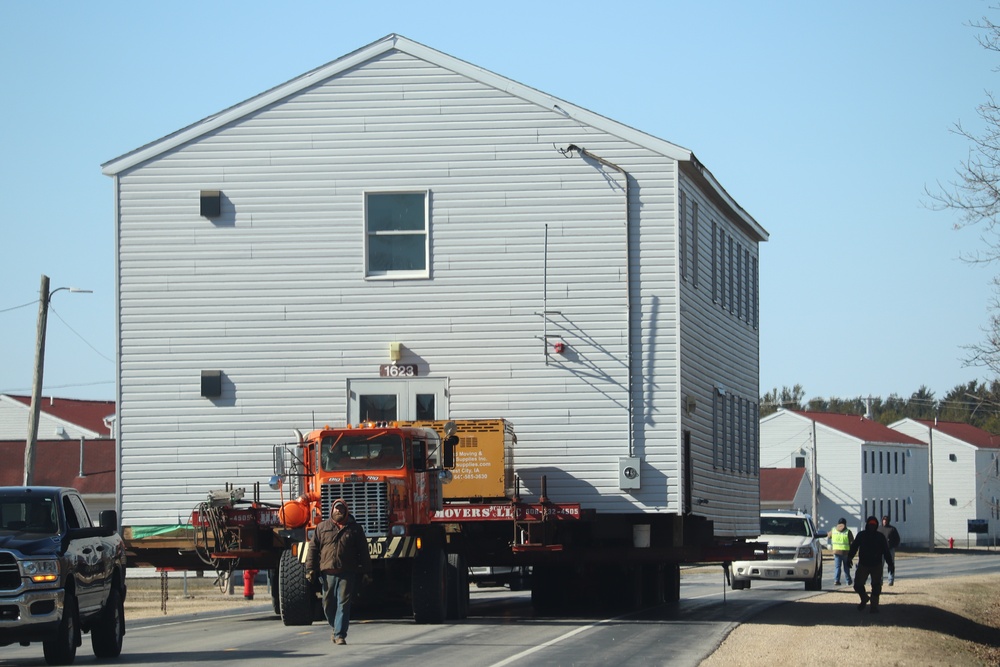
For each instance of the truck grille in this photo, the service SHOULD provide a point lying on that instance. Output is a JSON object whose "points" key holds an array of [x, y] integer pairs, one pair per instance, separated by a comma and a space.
{"points": [[10, 575], [368, 503]]}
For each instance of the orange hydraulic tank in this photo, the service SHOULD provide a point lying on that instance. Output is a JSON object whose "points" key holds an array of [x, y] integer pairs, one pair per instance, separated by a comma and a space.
{"points": [[294, 514]]}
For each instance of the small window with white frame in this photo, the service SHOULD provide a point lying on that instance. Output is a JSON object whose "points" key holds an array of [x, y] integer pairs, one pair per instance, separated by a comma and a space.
{"points": [[397, 228]]}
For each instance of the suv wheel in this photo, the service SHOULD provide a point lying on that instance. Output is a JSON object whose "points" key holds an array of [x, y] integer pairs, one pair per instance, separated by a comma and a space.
{"points": [[816, 583]]}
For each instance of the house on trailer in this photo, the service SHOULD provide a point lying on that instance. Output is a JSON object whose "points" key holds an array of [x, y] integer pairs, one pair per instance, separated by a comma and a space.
{"points": [[785, 489], [399, 234], [966, 479], [861, 468]]}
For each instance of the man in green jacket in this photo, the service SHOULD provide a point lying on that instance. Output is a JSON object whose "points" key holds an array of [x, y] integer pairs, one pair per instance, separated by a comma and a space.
{"points": [[339, 552]]}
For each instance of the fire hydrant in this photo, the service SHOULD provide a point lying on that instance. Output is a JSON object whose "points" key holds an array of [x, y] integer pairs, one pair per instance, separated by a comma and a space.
{"points": [[951, 542], [248, 577]]}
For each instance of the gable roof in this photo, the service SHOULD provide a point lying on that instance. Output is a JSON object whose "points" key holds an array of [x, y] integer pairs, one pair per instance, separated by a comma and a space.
{"points": [[393, 42], [85, 414], [965, 432], [57, 463], [780, 484], [859, 427]]}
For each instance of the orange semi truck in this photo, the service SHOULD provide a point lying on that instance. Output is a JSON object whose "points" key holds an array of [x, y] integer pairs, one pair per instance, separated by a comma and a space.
{"points": [[435, 499]]}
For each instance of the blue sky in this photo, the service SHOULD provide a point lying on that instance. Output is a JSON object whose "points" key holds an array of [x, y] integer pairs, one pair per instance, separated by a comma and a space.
{"points": [[825, 121]]}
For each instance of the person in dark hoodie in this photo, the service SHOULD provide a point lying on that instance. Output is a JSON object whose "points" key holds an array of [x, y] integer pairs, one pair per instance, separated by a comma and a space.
{"points": [[871, 548], [892, 537], [339, 552], [841, 538]]}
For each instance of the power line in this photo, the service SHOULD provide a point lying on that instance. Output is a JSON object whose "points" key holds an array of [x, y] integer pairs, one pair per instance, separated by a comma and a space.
{"points": [[23, 305], [86, 342]]}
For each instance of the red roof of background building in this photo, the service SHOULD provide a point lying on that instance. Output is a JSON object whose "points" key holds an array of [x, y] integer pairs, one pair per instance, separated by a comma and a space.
{"points": [[964, 432], [860, 428], [86, 414], [57, 463], [779, 484]]}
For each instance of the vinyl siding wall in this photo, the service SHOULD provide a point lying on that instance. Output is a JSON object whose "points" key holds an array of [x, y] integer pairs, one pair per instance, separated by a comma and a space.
{"points": [[719, 347], [273, 292]]}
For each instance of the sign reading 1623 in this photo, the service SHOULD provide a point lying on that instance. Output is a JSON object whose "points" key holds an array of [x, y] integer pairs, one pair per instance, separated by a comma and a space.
{"points": [[397, 370]]}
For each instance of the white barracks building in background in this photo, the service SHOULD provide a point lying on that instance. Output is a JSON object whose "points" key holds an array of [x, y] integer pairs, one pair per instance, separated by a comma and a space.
{"points": [[401, 234]]}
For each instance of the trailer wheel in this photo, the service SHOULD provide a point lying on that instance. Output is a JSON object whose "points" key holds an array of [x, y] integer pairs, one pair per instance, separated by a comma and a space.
{"points": [[548, 585], [295, 593], [272, 580], [458, 587], [672, 582], [429, 586]]}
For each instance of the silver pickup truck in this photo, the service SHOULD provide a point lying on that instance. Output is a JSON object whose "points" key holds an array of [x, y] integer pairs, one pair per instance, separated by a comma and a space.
{"points": [[60, 575]]}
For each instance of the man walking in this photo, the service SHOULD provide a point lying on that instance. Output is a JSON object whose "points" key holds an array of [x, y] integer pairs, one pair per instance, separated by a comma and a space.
{"points": [[338, 551], [892, 537], [841, 538], [871, 548]]}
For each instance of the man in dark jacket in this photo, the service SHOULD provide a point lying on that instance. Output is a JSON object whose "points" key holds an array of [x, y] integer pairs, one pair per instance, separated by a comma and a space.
{"points": [[892, 537], [871, 548], [339, 552]]}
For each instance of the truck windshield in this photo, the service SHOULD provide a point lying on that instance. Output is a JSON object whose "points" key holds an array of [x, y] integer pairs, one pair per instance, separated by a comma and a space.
{"points": [[33, 514], [361, 451], [797, 526]]}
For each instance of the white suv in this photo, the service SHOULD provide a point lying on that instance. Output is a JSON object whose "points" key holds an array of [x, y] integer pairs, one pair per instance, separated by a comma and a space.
{"points": [[794, 552]]}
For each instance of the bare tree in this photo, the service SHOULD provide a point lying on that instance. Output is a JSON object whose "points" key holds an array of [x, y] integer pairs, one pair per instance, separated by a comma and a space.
{"points": [[975, 195]]}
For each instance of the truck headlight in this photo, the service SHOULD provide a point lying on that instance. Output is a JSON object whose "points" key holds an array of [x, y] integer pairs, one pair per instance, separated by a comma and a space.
{"points": [[41, 570], [806, 552]]}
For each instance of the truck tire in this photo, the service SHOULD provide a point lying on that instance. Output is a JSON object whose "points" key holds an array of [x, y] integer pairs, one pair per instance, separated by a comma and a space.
{"points": [[458, 587], [428, 588], [61, 649], [295, 593], [108, 631]]}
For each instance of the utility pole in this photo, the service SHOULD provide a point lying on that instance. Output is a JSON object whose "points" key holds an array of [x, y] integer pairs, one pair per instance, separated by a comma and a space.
{"points": [[36, 386], [815, 484]]}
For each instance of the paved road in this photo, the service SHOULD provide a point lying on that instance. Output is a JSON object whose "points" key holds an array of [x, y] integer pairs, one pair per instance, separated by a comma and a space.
{"points": [[501, 631]]}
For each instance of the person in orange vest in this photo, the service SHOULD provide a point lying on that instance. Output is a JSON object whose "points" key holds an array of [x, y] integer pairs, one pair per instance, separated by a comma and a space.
{"points": [[248, 577]]}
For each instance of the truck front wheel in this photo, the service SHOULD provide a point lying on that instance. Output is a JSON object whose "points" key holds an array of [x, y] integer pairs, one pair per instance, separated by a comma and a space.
{"points": [[295, 593], [61, 649], [108, 632]]}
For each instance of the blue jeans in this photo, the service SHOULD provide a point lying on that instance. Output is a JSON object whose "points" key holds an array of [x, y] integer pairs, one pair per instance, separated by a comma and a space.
{"points": [[338, 589], [838, 563], [892, 575]]}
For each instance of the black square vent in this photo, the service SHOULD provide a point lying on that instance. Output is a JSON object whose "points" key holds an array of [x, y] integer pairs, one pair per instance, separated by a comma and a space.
{"points": [[211, 203]]}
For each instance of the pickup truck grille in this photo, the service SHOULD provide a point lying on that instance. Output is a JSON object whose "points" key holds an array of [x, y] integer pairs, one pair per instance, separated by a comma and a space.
{"points": [[368, 503], [10, 575]]}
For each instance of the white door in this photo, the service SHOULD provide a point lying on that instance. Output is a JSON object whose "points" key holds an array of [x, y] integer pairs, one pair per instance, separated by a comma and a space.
{"points": [[391, 399]]}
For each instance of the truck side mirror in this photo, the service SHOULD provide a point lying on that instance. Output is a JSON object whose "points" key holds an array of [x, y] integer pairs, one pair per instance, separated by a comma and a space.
{"points": [[449, 451], [108, 519]]}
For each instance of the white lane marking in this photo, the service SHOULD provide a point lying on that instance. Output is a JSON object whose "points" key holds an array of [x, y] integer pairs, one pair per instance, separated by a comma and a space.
{"points": [[571, 633]]}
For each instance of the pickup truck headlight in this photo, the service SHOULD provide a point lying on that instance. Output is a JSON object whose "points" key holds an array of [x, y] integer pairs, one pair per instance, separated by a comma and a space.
{"points": [[806, 552], [41, 571]]}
